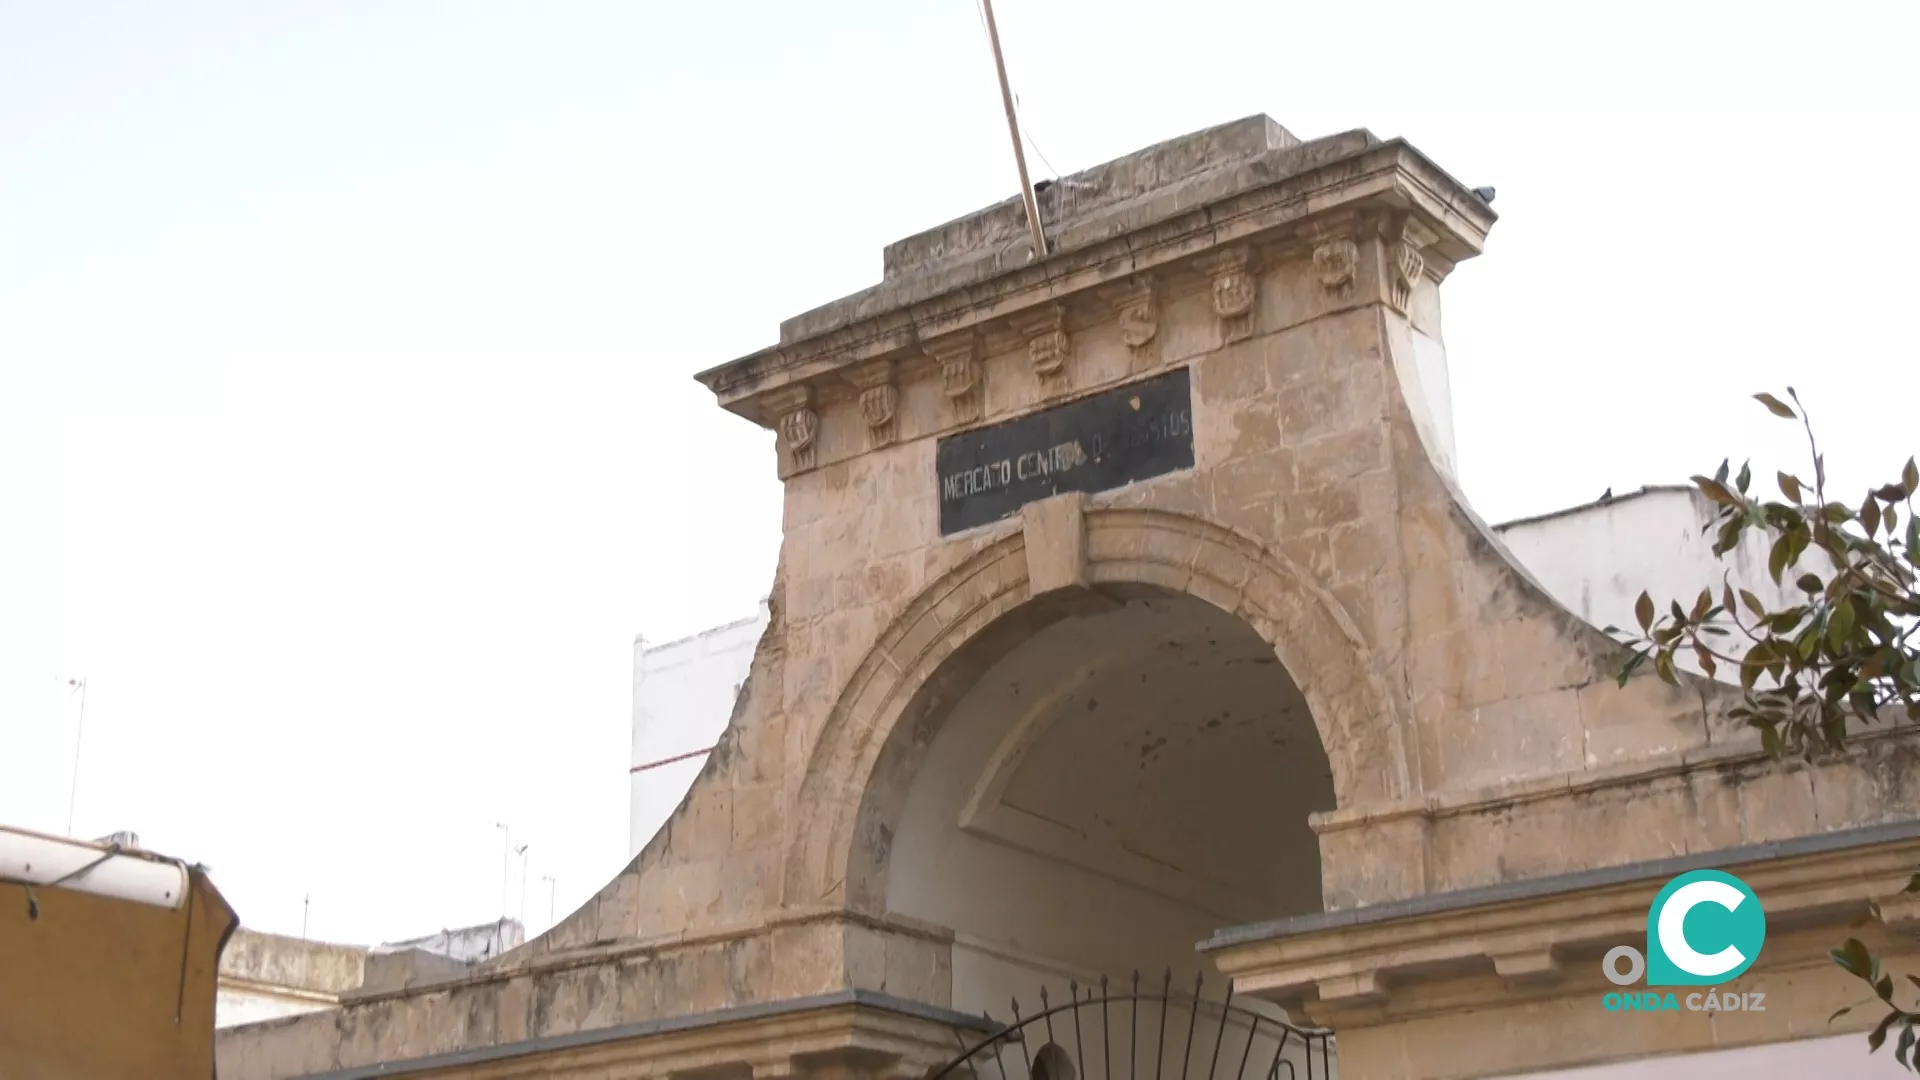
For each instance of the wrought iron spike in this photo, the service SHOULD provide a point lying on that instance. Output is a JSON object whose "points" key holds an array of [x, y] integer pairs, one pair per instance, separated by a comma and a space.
{"points": [[1043, 998], [1016, 1010], [1136, 980]]}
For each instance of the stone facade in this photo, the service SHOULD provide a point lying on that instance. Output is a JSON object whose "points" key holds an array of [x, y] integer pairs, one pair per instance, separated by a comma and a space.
{"points": [[943, 779]]}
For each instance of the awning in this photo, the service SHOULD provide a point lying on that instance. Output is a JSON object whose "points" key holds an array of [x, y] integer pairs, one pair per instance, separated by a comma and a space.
{"points": [[108, 961]]}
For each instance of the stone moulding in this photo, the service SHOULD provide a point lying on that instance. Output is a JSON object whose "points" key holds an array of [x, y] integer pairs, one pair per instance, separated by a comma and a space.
{"points": [[796, 1038], [1714, 756], [910, 317], [1344, 966]]}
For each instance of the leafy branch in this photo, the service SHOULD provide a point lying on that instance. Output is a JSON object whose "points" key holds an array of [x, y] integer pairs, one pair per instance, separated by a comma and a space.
{"points": [[1841, 653], [1857, 960], [1846, 651]]}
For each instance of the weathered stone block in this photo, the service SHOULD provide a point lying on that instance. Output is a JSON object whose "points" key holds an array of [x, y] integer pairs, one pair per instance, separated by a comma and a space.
{"points": [[1056, 543], [1374, 863], [1645, 719]]}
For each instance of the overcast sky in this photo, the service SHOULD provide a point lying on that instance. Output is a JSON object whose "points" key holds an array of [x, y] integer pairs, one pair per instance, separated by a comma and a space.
{"points": [[347, 427]]}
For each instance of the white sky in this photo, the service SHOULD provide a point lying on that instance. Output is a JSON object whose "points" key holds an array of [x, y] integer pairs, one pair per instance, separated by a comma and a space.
{"points": [[347, 428]]}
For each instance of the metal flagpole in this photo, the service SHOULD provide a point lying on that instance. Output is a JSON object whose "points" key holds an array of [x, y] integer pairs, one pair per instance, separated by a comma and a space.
{"points": [[79, 729], [1013, 128]]}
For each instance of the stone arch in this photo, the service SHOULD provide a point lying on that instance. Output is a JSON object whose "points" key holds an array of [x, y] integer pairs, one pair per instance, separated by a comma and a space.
{"points": [[862, 765]]}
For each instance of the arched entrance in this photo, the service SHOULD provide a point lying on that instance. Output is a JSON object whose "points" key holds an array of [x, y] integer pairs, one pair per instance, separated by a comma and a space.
{"points": [[1082, 784], [1108, 791], [869, 754]]}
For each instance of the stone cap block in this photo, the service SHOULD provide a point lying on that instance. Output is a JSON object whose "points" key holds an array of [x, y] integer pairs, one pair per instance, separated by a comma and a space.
{"points": [[1087, 191]]}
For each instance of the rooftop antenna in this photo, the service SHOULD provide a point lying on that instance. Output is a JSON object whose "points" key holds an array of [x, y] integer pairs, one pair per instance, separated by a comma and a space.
{"points": [[548, 878], [1013, 128], [73, 792], [306, 903], [506, 863], [522, 852]]}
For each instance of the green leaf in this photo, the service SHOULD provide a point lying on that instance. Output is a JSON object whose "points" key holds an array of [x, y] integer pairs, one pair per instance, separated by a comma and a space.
{"points": [[1839, 1013], [1626, 670], [1810, 585], [1753, 604], [1717, 491], [1879, 1035], [1775, 406], [1913, 539], [1643, 609], [1910, 477], [1854, 956], [1745, 478], [1720, 474], [1883, 986], [1790, 486], [1906, 1045], [1700, 605], [1840, 626], [1706, 660], [1777, 559], [1663, 666], [1870, 516]]}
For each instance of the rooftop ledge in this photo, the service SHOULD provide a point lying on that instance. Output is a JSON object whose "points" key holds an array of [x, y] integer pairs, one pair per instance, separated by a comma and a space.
{"points": [[1522, 931], [1249, 181]]}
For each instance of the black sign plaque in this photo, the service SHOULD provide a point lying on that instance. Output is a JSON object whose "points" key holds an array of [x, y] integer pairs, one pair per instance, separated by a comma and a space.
{"points": [[1108, 440]]}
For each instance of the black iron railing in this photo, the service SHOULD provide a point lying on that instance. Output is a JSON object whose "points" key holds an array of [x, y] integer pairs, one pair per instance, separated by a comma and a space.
{"points": [[1102, 1035]]}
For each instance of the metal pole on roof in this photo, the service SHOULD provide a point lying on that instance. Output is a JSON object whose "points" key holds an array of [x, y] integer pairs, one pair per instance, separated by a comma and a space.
{"points": [[79, 730], [1013, 128]]}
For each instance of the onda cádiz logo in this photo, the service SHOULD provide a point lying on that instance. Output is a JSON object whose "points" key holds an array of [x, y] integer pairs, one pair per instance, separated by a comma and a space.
{"points": [[1705, 928]]}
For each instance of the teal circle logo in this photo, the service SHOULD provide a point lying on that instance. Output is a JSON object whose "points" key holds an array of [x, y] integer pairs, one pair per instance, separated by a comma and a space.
{"points": [[1705, 927]]}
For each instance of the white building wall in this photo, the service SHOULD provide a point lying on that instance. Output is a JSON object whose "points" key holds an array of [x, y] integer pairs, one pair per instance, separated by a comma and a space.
{"points": [[234, 1007], [683, 696], [1596, 559]]}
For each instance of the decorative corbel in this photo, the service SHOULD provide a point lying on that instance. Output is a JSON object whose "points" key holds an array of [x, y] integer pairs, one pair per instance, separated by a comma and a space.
{"points": [[960, 378], [1234, 290], [1336, 259], [797, 425], [1049, 350], [879, 400], [1138, 304], [1406, 242]]}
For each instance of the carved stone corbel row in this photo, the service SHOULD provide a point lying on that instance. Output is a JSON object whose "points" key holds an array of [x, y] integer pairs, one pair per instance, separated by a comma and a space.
{"points": [[1049, 349], [1137, 303], [879, 400], [1336, 258], [797, 426], [1234, 290], [959, 358]]}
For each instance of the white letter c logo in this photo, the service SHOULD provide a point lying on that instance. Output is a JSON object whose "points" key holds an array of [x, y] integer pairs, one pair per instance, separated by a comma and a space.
{"points": [[1673, 937]]}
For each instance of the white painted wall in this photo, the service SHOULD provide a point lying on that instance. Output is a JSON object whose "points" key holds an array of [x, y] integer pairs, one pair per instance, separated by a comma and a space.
{"points": [[1840, 1057], [1596, 559], [233, 1007], [683, 696]]}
